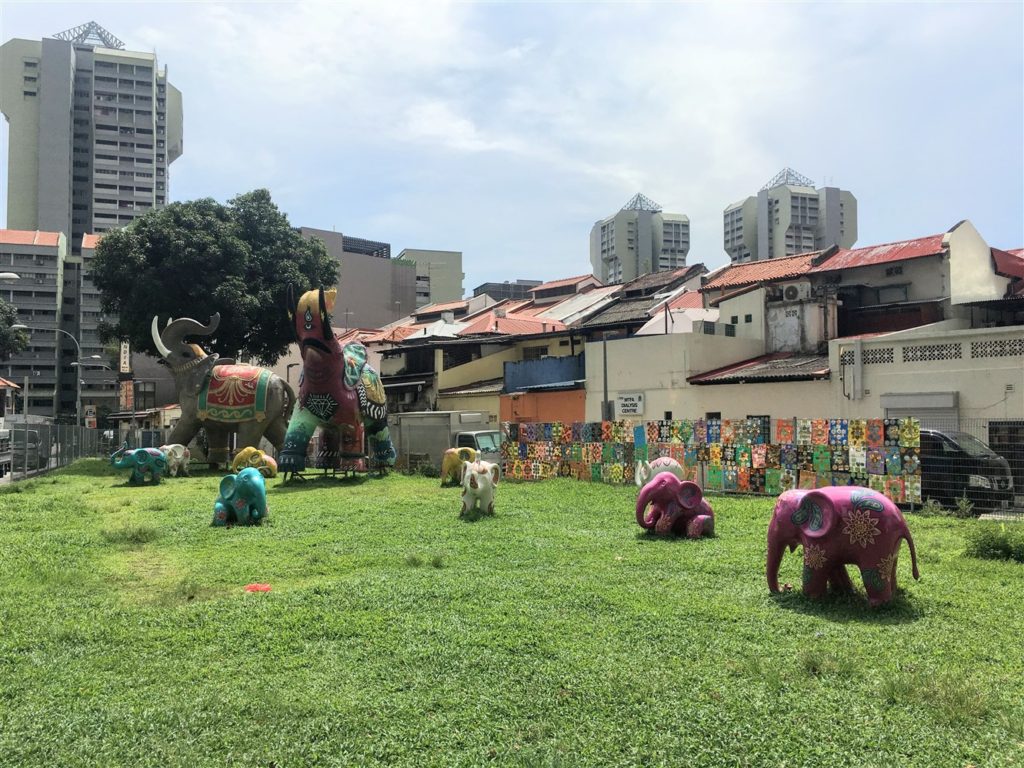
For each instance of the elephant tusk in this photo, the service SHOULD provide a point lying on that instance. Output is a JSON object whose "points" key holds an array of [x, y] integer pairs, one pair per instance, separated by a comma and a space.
{"points": [[160, 346]]}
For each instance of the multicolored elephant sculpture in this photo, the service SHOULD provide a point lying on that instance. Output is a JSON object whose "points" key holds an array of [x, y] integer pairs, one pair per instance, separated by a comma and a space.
{"points": [[178, 457], [338, 391], [242, 500], [836, 526], [479, 481], [676, 506], [645, 470], [254, 457], [451, 464], [220, 396], [141, 461]]}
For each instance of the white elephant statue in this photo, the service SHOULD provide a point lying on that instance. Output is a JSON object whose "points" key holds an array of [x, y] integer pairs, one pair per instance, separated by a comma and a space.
{"points": [[178, 457], [645, 470], [479, 480]]}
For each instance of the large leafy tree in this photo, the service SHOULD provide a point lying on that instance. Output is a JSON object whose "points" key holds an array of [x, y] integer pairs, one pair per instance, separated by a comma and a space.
{"points": [[195, 258], [11, 341]]}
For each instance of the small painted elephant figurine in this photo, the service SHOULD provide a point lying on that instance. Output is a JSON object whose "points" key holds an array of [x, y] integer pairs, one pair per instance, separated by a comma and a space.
{"points": [[645, 470], [479, 480], [676, 506], [451, 464], [835, 526], [254, 457], [242, 500], [140, 461], [178, 457]]}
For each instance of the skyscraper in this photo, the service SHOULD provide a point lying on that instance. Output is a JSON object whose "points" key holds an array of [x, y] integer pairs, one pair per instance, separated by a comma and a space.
{"points": [[789, 216], [93, 128], [637, 240]]}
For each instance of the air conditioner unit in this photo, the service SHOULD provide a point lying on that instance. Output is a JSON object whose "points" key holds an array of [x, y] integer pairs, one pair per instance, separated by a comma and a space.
{"points": [[796, 291]]}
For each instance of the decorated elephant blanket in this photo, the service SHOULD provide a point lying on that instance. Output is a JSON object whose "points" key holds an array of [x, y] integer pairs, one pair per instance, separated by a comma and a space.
{"points": [[235, 393]]}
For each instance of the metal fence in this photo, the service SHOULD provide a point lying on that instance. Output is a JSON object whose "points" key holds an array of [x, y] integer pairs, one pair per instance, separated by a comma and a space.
{"points": [[952, 460], [32, 449]]}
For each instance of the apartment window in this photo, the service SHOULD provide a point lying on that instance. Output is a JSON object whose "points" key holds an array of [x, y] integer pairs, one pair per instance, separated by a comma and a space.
{"points": [[748, 318], [730, 330], [31, 64], [81, 164], [30, 78], [28, 93], [734, 319], [534, 353]]}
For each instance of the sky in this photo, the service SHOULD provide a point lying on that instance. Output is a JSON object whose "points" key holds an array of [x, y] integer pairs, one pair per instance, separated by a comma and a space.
{"points": [[505, 131]]}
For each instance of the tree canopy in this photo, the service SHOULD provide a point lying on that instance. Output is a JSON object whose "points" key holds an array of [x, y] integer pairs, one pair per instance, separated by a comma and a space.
{"points": [[11, 341], [195, 258]]}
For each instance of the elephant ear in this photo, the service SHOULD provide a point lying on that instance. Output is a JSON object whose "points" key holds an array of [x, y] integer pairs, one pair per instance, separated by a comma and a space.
{"points": [[227, 486], [690, 494], [816, 514]]}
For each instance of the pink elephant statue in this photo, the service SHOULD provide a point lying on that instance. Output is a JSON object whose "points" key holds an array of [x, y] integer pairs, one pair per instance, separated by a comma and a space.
{"points": [[676, 506], [835, 526]]}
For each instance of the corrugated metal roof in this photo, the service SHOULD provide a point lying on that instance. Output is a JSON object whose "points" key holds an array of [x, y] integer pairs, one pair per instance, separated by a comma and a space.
{"points": [[1009, 263], [29, 237], [881, 254], [778, 366], [623, 311], [488, 387], [652, 281], [447, 306], [765, 271], [517, 325]]}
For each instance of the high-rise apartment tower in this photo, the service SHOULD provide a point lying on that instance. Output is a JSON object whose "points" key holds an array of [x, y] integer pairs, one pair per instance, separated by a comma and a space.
{"points": [[789, 216], [93, 128], [639, 239]]}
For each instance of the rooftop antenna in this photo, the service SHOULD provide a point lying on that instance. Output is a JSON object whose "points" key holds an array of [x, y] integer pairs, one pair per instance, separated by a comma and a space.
{"points": [[90, 33]]}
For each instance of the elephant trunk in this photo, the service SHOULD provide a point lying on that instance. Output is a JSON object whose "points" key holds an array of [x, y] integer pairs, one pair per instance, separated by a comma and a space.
{"points": [[776, 548], [642, 501], [116, 456], [173, 336]]}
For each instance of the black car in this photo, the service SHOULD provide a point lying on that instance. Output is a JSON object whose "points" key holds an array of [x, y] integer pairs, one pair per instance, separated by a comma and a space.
{"points": [[956, 464]]}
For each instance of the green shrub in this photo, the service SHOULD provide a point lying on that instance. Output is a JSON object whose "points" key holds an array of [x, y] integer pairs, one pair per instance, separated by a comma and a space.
{"points": [[931, 508], [996, 541], [964, 508]]}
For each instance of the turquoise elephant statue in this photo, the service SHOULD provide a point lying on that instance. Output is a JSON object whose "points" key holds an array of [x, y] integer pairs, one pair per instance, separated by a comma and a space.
{"points": [[242, 500], [140, 461]]}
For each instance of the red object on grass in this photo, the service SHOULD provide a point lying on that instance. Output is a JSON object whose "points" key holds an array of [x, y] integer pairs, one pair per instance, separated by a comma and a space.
{"points": [[257, 587]]}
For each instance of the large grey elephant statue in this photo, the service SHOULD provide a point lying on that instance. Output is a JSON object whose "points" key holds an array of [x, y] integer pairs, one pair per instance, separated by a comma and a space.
{"points": [[220, 396]]}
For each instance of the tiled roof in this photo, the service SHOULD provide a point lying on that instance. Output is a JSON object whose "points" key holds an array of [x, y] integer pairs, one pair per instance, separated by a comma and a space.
{"points": [[565, 281], [29, 237], [90, 241], [631, 310], [488, 387], [514, 325], [652, 281], [881, 254], [433, 309], [1009, 263], [764, 271], [687, 300], [778, 366]]}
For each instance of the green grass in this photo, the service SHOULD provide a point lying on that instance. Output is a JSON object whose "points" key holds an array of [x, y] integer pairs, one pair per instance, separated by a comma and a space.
{"points": [[554, 633]]}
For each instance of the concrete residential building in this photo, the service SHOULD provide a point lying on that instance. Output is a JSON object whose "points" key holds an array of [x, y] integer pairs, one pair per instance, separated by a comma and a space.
{"points": [[439, 275], [373, 290], [93, 129], [38, 258], [789, 216], [639, 239]]}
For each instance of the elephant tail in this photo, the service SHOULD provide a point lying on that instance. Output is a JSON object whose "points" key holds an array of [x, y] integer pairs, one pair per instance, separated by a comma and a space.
{"points": [[289, 401], [913, 554]]}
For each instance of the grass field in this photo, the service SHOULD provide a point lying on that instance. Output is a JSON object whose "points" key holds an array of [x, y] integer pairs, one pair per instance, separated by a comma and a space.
{"points": [[555, 633]]}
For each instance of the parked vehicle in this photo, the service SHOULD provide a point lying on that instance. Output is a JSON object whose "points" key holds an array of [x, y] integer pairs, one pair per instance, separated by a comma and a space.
{"points": [[955, 465], [426, 435], [35, 455]]}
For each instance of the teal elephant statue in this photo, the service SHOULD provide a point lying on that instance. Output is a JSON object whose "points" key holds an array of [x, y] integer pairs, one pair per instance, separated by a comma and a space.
{"points": [[140, 461], [242, 500]]}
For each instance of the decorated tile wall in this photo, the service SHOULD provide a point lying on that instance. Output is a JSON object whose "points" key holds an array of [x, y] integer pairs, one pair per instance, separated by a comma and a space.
{"points": [[742, 455]]}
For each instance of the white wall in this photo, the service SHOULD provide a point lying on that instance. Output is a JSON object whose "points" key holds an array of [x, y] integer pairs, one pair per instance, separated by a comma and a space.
{"points": [[971, 271]]}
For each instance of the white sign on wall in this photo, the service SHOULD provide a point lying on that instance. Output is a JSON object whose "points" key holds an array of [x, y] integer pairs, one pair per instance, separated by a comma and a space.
{"points": [[630, 404]]}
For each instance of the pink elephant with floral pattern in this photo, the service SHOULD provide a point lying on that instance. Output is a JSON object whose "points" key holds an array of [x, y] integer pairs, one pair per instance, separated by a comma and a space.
{"points": [[839, 525]]}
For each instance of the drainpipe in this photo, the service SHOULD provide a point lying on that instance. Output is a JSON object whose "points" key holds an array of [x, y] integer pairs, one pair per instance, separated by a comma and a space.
{"points": [[858, 369]]}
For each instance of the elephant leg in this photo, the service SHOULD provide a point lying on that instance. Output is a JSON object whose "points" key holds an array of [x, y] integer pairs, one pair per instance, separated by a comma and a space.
{"points": [[700, 525], [186, 429], [815, 581], [879, 590], [276, 431], [840, 579], [249, 433], [217, 436], [137, 477], [300, 431], [665, 524]]}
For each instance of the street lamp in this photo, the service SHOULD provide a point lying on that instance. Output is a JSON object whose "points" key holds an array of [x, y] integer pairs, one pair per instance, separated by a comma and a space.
{"points": [[78, 356]]}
